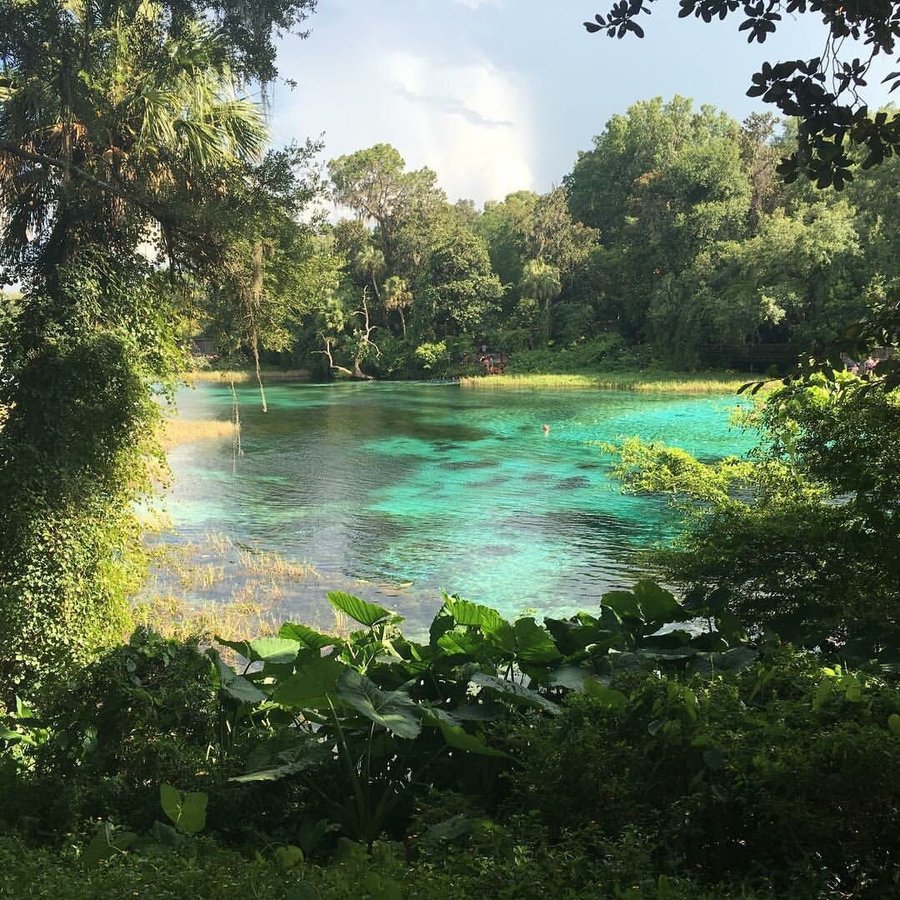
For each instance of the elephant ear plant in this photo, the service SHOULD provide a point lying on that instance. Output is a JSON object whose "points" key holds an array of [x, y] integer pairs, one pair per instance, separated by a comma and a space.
{"points": [[361, 722]]}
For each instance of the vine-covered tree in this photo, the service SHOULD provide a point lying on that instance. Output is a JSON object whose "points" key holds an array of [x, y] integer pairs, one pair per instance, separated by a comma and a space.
{"points": [[122, 128]]}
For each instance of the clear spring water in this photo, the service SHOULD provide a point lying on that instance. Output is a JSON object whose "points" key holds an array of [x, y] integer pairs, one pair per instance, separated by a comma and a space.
{"points": [[399, 491]]}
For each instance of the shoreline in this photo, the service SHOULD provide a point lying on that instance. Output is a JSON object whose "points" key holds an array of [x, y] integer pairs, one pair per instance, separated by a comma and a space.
{"points": [[649, 381], [646, 382]]}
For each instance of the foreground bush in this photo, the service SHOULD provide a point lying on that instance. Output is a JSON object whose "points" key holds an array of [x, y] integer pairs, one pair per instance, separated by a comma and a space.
{"points": [[599, 755], [779, 772]]}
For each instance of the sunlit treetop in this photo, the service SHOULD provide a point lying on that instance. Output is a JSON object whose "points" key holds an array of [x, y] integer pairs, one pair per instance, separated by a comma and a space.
{"points": [[823, 93]]}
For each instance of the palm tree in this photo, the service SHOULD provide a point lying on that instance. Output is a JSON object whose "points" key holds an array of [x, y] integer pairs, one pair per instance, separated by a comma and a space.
{"points": [[397, 295], [114, 128], [541, 281]]}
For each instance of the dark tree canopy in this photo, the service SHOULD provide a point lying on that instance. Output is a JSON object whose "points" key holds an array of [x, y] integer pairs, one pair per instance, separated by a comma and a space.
{"points": [[823, 93]]}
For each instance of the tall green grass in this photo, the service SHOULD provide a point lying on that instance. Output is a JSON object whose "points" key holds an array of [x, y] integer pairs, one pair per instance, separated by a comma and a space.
{"points": [[650, 382], [239, 376]]}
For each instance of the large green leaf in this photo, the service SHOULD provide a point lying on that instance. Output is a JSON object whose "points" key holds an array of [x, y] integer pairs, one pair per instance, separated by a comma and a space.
{"points": [[501, 635], [310, 685], [460, 739], [472, 614], [187, 811], [307, 636], [533, 643], [106, 842], [570, 677], [457, 737], [367, 614], [573, 635], [393, 710], [448, 830], [461, 643], [623, 603], [236, 686], [657, 604], [275, 650], [607, 697], [512, 691], [289, 762]]}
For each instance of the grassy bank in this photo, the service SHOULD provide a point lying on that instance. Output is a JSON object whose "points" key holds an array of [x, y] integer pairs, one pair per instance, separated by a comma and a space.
{"points": [[647, 381], [240, 376], [184, 431]]}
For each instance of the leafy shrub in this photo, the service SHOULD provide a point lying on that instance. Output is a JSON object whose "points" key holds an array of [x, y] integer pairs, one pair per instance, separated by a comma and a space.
{"points": [[142, 714], [433, 357], [605, 351], [777, 771]]}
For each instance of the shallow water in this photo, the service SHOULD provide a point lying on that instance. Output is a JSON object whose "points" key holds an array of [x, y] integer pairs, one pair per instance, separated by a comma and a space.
{"points": [[400, 491]]}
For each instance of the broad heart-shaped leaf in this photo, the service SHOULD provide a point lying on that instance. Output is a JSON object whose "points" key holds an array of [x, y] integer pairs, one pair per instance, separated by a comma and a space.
{"points": [[367, 614], [533, 643], [288, 857], [448, 830], [623, 603], [608, 697], [461, 643], [106, 843], [570, 677], [393, 710], [277, 650], [574, 634], [460, 739], [473, 614], [236, 686], [502, 636], [457, 737], [307, 636], [657, 604], [289, 763], [187, 811], [310, 685], [516, 692]]}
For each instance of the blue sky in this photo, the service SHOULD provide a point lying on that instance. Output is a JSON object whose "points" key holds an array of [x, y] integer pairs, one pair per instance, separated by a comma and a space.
{"points": [[500, 95]]}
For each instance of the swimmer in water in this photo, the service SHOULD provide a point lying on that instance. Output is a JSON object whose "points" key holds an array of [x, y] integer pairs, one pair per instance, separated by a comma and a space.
{"points": [[546, 429]]}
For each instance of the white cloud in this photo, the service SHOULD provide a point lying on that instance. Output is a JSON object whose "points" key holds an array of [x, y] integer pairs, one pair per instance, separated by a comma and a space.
{"points": [[467, 120], [475, 4]]}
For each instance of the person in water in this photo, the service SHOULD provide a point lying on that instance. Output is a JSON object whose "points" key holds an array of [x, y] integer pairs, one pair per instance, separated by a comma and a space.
{"points": [[546, 429]]}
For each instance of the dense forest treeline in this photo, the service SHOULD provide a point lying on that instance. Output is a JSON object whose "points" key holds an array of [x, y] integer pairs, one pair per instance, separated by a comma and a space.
{"points": [[673, 234]]}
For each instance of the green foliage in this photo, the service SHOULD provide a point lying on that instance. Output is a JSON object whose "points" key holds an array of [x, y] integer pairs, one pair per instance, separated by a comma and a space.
{"points": [[142, 715], [150, 115], [727, 773], [162, 873], [187, 811], [802, 541], [72, 453], [634, 748]]}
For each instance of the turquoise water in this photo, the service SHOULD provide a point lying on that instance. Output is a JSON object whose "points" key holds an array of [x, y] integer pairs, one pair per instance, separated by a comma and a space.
{"points": [[403, 490]]}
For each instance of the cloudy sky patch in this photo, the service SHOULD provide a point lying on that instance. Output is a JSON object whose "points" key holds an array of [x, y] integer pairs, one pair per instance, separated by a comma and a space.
{"points": [[498, 96]]}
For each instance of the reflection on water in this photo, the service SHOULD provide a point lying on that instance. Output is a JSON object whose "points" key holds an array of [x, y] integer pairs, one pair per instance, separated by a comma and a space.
{"points": [[406, 490]]}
